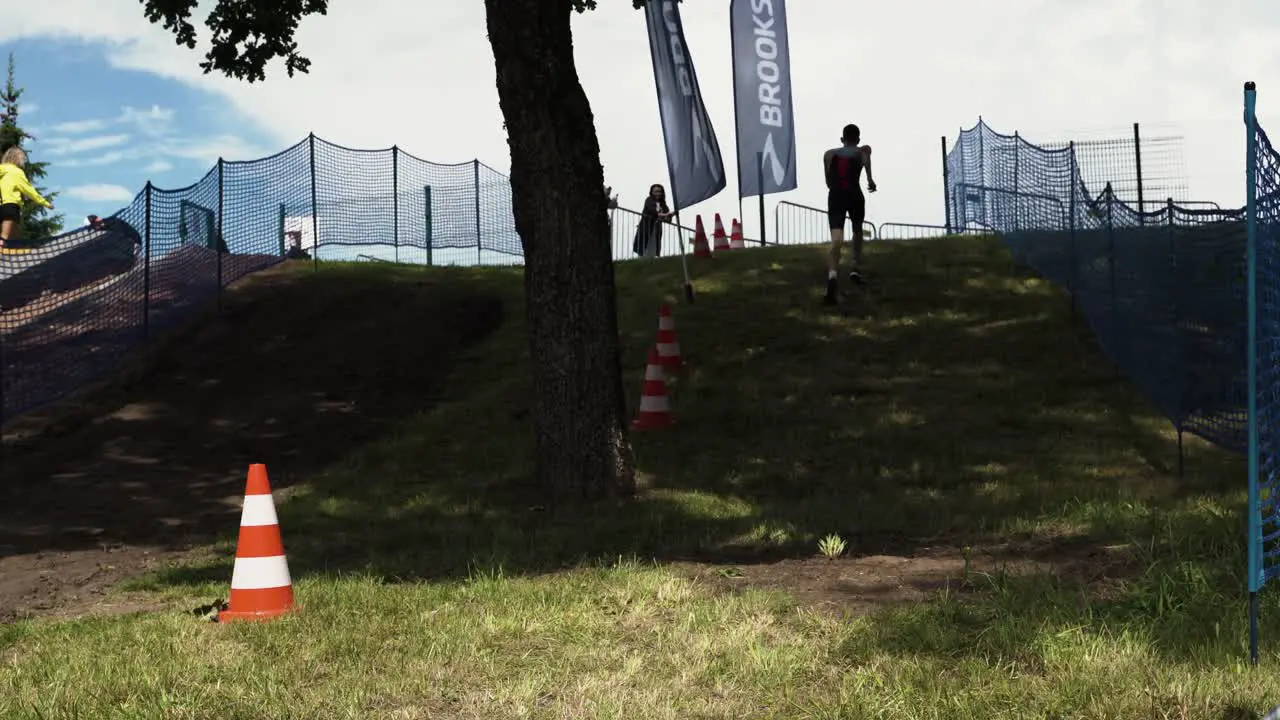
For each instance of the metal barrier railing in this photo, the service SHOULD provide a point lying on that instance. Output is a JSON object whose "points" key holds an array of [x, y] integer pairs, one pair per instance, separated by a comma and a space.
{"points": [[917, 231], [1027, 210], [625, 221], [1193, 204], [622, 237], [796, 224]]}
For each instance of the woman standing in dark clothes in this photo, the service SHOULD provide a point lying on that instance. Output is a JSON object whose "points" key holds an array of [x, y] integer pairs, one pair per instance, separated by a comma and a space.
{"points": [[648, 242]]}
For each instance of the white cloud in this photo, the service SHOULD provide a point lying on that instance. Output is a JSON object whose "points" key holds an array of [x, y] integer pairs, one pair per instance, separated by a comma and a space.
{"points": [[198, 154], [425, 81], [65, 146], [28, 108], [75, 127], [208, 150], [153, 121], [109, 158], [154, 124], [100, 193]]}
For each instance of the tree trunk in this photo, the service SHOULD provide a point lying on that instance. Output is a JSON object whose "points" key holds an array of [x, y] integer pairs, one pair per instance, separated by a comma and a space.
{"points": [[557, 187]]}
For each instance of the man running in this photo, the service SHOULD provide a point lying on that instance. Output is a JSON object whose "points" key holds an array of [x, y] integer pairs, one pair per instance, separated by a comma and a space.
{"points": [[843, 169]]}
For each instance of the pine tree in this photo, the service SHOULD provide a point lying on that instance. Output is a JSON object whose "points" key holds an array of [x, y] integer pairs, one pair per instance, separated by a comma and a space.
{"points": [[38, 223]]}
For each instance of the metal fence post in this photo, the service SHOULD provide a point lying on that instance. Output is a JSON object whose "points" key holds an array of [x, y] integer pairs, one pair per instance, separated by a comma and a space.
{"points": [[284, 250], [1179, 352], [982, 169], [959, 207], [315, 223], [426, 204], [1256, 578], [1017, 203], [221, 225], [395, 201], [475, 175], [1111, 256], [760, 180], [1137, 166], [946, 185], [1074, 277], [146, 266]]}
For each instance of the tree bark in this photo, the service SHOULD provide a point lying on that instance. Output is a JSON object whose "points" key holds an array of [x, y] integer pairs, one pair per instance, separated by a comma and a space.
{"points": [[557, 187]]}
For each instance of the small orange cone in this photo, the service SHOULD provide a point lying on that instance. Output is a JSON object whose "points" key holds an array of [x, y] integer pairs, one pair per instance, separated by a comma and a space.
{"points": [[655, 407], [668, 346], [722, 240], [700, 247], [261, 588], [735, 238]]}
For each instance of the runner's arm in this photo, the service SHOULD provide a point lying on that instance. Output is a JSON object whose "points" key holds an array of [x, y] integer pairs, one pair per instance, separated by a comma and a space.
{"points": [[826, 166], [866, 162]]}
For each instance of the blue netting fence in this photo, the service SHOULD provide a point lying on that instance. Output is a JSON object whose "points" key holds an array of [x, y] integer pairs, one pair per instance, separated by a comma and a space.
{"points": [[1163, 290], [1263, 173], [73, 307]]}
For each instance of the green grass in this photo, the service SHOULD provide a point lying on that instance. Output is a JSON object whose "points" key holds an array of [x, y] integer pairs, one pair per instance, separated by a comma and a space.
{"points": [[958, 414]]}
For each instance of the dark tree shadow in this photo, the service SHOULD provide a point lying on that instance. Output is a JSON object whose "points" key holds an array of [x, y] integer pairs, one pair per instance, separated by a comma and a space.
{"points": [[292, 373]]}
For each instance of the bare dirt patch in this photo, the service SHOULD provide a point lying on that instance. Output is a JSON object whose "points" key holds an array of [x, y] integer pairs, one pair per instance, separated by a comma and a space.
{"points": [[856, 585]]}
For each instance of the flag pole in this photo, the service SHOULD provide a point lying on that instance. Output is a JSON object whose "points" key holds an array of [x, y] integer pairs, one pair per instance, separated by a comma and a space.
{"points": [[671, 175], [737, 136], [760, 177]]}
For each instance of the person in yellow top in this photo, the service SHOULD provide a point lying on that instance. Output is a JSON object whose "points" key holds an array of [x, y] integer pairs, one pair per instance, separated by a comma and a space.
{"points": [[13, 185]]}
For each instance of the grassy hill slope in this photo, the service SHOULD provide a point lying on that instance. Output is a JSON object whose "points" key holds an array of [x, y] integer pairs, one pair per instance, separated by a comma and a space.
{"points": [[1015, 540]]}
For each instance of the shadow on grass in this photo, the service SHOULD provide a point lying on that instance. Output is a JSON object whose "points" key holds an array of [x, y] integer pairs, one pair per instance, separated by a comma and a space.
{"points": [[293, 372], [1179, 596], [954, 401]]}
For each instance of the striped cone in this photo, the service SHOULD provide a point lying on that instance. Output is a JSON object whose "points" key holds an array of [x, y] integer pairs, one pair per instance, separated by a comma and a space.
{"points": [[700, 247], [668, 346], [655, 407], [721, 240], [261, 588], [735, 236]]}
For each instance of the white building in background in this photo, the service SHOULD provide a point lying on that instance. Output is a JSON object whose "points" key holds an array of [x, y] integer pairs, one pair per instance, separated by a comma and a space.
{"points": [[299, 231]]}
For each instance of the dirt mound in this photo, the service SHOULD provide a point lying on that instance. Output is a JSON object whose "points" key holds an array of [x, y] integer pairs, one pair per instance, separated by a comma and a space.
{"points": [[293, 373]]}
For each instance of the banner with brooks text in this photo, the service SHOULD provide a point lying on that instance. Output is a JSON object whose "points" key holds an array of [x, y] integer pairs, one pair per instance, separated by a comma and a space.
{"points": [[693, 153], [762, 97]]}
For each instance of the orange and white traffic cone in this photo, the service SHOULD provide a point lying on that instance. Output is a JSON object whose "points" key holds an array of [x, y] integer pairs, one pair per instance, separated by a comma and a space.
{"points": [[668, 346], [721, 240], [700, 247], [655, 406], [261, 588], [735, 238]]}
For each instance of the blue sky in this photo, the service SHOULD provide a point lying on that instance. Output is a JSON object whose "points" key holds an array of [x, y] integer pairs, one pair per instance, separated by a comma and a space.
{"points": [[105, 132]]}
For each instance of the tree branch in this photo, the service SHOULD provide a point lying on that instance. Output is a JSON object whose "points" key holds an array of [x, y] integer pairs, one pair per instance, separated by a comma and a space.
{"points": [[246, 34], [249, 34]]}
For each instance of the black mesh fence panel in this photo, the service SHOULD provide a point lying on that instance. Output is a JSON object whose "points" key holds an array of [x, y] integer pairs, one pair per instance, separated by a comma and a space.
{"points": [[74, 307]]}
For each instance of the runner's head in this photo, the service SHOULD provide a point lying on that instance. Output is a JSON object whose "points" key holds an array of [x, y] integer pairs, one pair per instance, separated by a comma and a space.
{"points": [[851, 135]]}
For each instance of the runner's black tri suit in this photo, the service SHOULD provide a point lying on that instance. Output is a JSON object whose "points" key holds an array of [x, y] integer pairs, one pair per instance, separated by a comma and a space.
{"points": [[844, 191]]}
